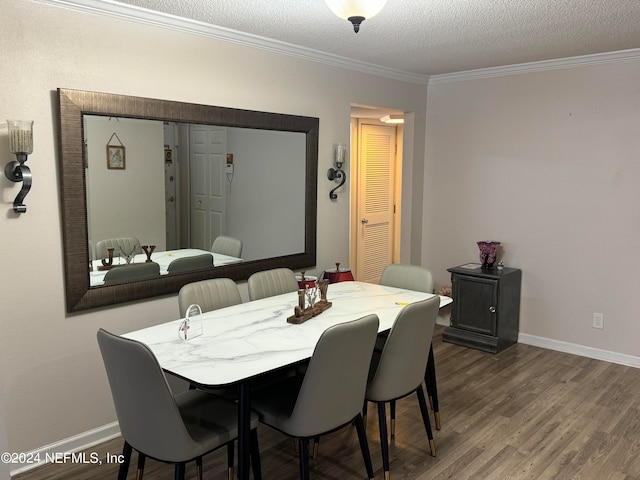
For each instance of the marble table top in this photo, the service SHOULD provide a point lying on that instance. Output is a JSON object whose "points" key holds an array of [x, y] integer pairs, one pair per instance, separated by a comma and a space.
{"points": [[252, 338]]}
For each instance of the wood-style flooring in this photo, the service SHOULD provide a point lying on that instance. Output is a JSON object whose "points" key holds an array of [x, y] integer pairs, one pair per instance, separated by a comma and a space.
{"points": [[525, 413]]}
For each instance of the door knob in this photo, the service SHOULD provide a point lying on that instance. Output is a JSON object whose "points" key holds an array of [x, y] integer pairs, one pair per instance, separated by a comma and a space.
{"points": [[364, 221], [492, 309]]}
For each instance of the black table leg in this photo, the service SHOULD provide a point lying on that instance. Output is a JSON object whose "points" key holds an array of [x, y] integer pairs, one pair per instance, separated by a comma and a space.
{"points": [[244, 430]]}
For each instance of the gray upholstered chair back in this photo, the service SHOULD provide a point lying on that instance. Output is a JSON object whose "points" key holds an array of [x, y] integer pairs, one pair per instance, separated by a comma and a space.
{"points": [[120, 244], [410, 277], [271, 282], [132, 273], [147, 412], [191, 264], [403, 360], [209, 294], [332, 392], [227, 246]]}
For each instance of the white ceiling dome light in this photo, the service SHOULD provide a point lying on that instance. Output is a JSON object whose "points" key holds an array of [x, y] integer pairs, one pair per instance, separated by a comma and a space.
{"points": [[356, 11]]}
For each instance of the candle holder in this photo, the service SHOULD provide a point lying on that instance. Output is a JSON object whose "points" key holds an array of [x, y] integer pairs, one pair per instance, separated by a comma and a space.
{"points": [[20, 144], [148, 249]]}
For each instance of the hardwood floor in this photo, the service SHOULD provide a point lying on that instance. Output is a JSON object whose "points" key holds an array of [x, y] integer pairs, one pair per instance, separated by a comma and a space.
{"points": [[525, 413]]}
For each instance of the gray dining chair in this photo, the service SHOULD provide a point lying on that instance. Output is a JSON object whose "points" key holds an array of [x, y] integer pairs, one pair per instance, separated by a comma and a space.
{"points": [[271, 282], [227, 246], [209, 294], [413, 277], [132, 273], [398, 370], [330, 394], [157, 424], [121, 246], [191, 264]]}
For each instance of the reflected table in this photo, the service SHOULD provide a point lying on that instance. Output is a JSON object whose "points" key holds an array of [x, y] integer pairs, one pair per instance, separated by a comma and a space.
{"points": [[242, 342], [96, 277]]}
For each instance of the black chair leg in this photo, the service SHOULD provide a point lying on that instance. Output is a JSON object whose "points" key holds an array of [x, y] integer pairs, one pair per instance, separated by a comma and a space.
{"points": [[199, 468], [364, 446], [230, 457], [179, 472], [140, 472], [432, 387], [425, 418], [392, 405], [255, 455], [126, 459], [304, 459], [384, 440]]}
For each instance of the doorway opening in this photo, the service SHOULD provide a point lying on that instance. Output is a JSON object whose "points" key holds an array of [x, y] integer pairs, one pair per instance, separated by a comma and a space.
{"points": [[376, 190]]}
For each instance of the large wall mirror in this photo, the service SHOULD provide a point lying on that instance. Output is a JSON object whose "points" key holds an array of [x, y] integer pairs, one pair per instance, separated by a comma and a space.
{"points": [[177, 176]]}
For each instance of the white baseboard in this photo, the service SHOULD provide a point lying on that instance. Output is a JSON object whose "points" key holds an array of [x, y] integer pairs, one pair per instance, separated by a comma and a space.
{"points": [[581, 350], [77, 443]]}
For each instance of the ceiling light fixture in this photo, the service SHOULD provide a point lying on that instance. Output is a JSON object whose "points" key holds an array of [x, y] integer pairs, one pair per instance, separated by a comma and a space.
{"points": [[392, 119], [356, 11]]}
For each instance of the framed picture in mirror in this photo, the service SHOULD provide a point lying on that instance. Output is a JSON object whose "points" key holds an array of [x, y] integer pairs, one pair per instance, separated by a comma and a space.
{"points": [[115, 157]]}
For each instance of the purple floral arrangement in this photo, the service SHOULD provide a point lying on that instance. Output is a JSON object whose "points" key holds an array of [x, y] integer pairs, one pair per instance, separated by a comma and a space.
{"points": [[488, 253]]}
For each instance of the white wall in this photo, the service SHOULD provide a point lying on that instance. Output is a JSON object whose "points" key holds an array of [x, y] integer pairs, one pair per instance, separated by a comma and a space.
{"points": [[548, 164], [52, 374], [129, 202]]}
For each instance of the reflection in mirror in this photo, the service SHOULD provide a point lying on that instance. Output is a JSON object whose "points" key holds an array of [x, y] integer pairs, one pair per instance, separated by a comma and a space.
{"points": [[199, 182], [176, 176]]}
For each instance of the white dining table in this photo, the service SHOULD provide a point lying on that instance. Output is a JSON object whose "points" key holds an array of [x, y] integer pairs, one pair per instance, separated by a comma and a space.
{"points": [[162, 258], [242, 342]]}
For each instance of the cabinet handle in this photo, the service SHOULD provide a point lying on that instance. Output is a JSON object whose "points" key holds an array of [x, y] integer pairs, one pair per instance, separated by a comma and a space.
{"points": [[492, 309]]}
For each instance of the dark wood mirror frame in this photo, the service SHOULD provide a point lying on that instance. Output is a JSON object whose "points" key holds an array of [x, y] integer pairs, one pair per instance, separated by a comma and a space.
{"points": [[73, 104]]}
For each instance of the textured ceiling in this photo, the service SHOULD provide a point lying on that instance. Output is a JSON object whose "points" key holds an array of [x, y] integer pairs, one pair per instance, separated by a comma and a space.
{"points": [[430, 37]]}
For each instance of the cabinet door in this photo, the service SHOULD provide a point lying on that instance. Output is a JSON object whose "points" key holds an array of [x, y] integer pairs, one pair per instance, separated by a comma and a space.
{"points": [[475, 304]]}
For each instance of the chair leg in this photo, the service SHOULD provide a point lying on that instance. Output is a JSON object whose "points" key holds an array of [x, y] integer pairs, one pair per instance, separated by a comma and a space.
{"points": [[384, 441], [179, 472], [304, 459], [316, 447], [425, 418], [199, 468], [124, 466], [255, 455], [364, 446], [230, 460], [140, 472], [364, 415], [432, 387], [392, 405]]}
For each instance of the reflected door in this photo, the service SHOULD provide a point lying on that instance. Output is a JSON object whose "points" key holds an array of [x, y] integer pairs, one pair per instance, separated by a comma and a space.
{"points": [[208, 149], [375, 201]]}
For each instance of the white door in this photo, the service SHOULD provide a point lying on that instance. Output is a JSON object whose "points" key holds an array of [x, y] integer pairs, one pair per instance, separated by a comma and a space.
{"points": [[208, 149], [375, 207]]}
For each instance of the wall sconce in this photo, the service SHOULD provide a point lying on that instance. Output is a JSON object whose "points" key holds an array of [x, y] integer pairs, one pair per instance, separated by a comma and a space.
{"points": [[339, 155], [21, 144]]}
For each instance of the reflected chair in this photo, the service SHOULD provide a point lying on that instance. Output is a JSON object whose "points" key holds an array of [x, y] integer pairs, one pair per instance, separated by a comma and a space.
{"points": [[209, 294], [329, 395], [157, 424], [416, 278], [132, 273], [191, 264], [398, 370], [122, 246], [227, 246], [269, 283]]}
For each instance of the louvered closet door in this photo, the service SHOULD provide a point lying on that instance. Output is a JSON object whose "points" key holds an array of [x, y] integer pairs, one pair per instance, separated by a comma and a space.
{"points": [[375, 201]]}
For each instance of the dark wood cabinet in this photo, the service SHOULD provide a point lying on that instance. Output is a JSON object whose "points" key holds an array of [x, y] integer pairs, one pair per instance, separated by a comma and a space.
{"points": [[486, 308]]}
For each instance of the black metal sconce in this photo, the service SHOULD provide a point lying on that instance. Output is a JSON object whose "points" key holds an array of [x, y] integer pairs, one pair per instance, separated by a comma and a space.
{"points": [[20, 144], [340, 151]]}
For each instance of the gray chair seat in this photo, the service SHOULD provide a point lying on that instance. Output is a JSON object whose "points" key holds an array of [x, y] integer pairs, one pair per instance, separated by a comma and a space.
{"points": [[269, 283], [174, 429], [227, 246], [135, 272], [331, 393], [191, 264]]}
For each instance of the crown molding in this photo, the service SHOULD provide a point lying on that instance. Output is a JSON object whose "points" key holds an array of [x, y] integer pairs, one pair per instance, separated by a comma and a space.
{"points": [[541, 66], [172, 22]]}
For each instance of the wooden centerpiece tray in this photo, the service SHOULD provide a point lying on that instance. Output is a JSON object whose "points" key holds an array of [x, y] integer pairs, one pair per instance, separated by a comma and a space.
{"points": [[302, 316]]}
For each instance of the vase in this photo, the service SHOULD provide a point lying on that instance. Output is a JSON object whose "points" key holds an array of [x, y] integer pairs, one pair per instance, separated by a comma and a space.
{"points": [[488, 253]]}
